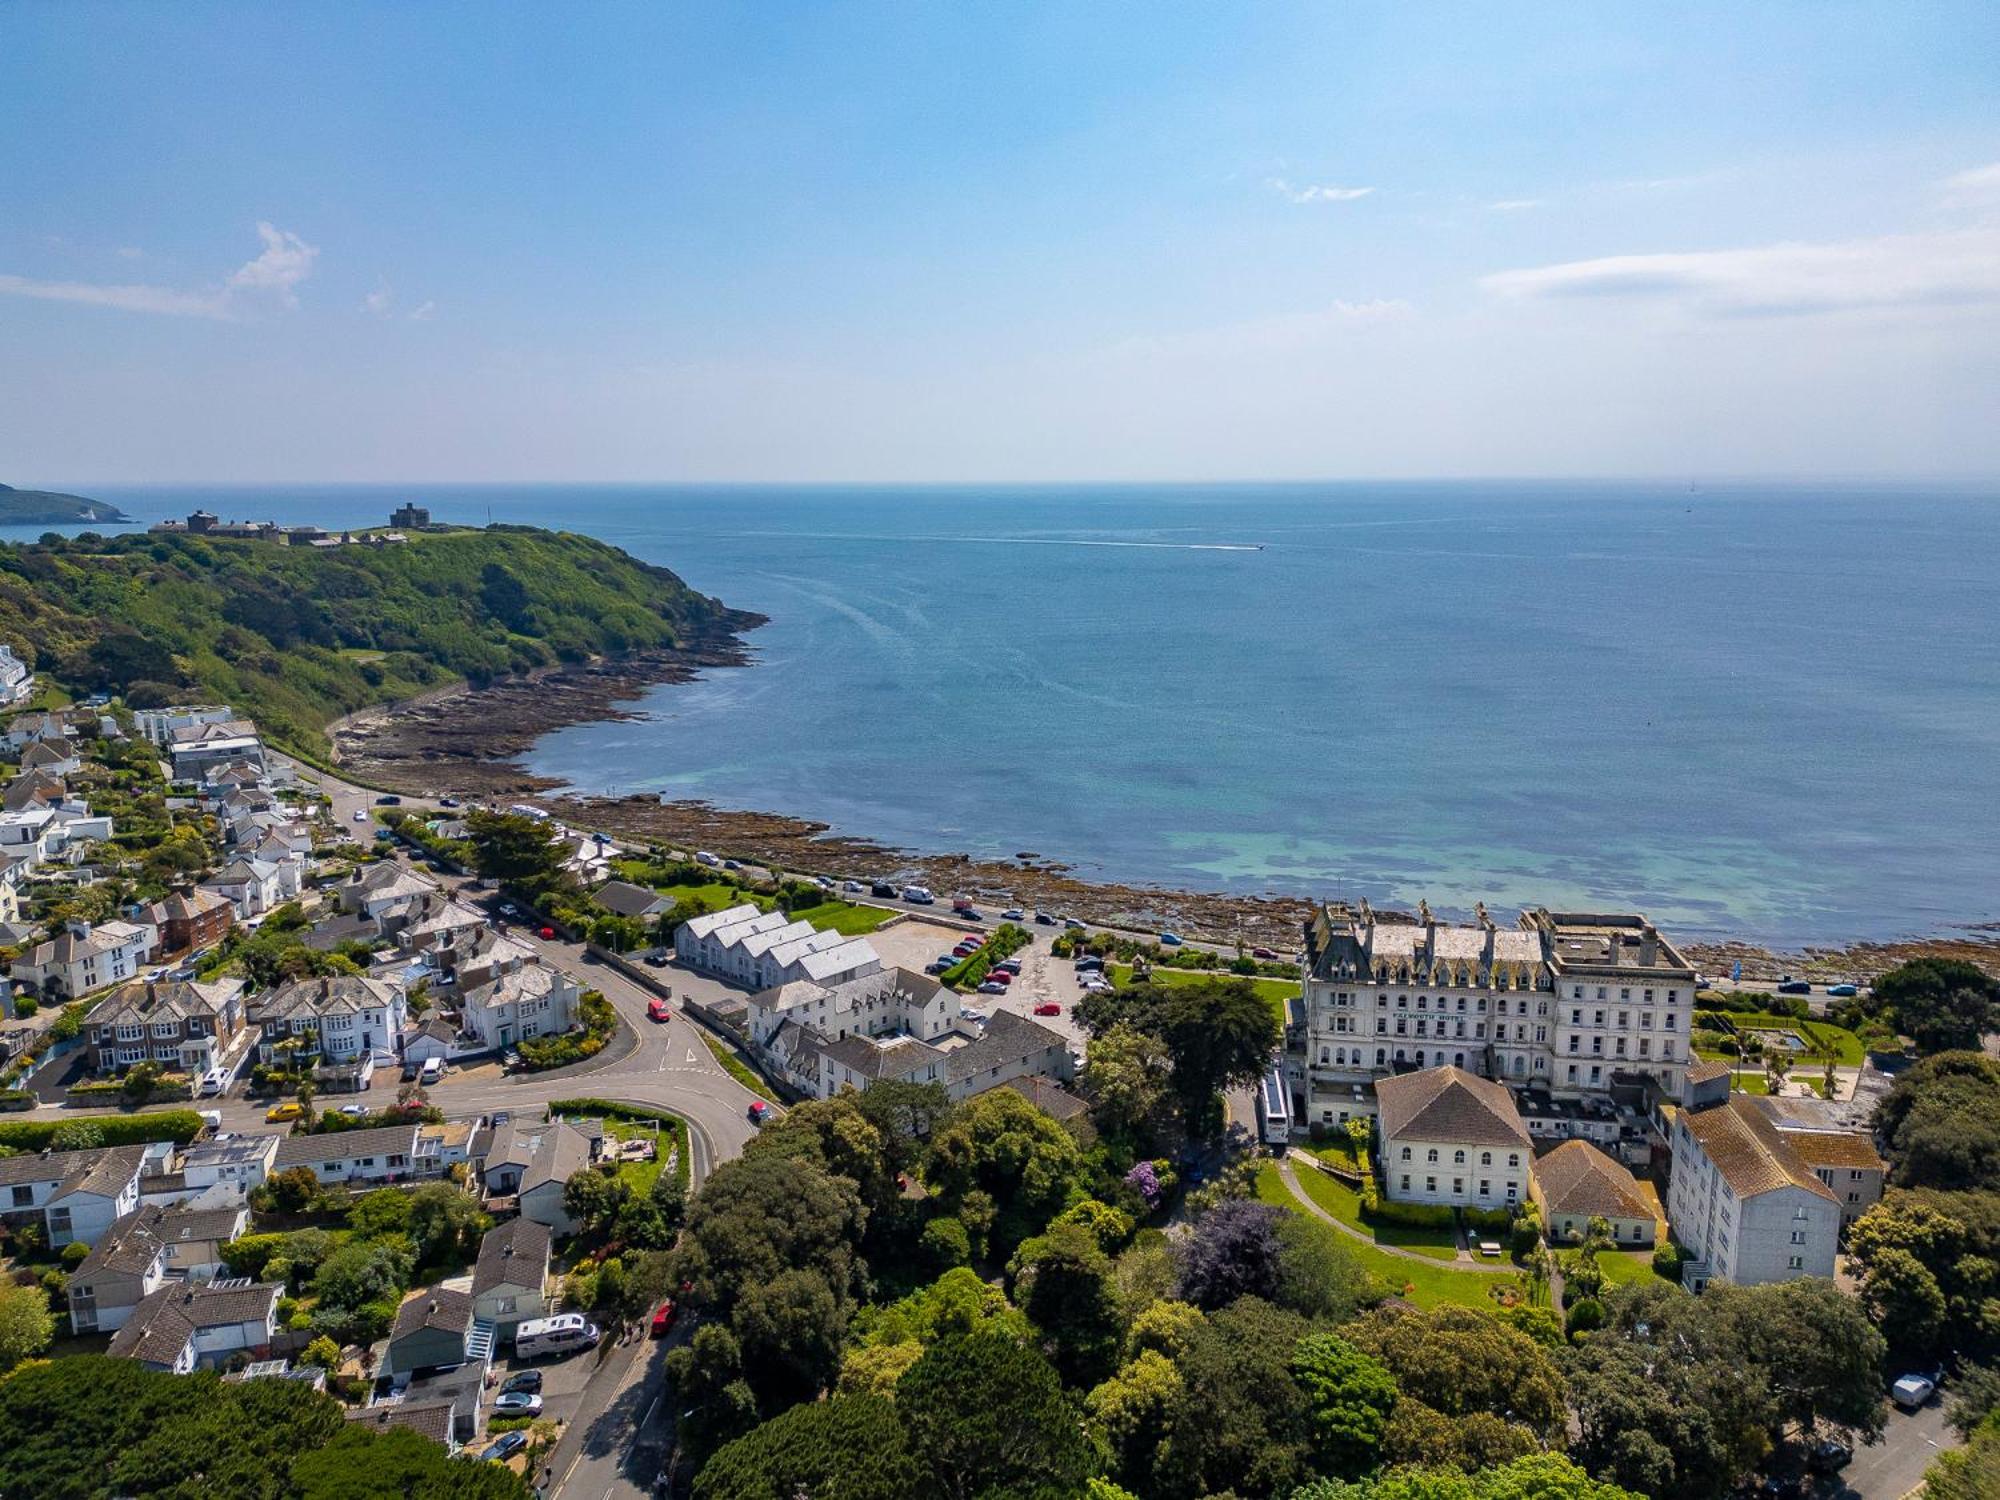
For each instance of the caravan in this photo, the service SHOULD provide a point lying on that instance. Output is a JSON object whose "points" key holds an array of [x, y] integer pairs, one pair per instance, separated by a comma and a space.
{"points": [[565, 1333]]}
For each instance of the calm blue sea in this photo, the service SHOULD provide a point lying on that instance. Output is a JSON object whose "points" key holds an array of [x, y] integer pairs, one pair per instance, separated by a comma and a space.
{"points": [[1770, 712]]}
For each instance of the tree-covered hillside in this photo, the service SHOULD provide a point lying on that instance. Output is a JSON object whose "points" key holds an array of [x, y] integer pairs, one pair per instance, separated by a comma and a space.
{"points": [[52, 508], [296, 636]]}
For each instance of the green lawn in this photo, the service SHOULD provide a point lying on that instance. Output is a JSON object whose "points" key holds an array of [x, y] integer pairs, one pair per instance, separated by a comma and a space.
{"points": [[1425, 1284], [1276, 992], [1625, 1267], [1344, 1203], [1823, 1036], [640, 1175], [843, 917]]}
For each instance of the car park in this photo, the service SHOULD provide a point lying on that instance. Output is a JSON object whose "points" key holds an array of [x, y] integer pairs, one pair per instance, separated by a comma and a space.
{"points": [[522, 1380], [658, 1010], [1048, 1008], [518, 1404], [506, 1445]]}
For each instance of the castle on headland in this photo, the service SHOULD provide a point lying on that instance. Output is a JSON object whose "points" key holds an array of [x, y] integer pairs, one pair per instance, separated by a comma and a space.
{"points": [[404, 518]]}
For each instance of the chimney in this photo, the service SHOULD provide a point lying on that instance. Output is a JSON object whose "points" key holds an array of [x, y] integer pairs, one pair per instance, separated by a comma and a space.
{"points": [[1649, 946], [76, 927]]}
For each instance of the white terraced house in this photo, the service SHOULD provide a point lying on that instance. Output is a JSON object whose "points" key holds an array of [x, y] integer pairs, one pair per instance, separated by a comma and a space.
{"points": [[84, 958], [1560, 1002]]}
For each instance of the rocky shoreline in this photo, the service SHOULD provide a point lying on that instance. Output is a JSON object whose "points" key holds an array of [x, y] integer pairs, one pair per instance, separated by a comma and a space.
{"points": [[461, 742]]}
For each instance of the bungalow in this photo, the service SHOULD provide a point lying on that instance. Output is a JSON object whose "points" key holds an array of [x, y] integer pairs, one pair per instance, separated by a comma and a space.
{"points": [[432, 1329], [533, 1000], [447, 1144], [510, 1282], [386, 1153], [1577, 1182], [623, 899], [142, 1252], [1449, 1137], [182, 1326], [437, 1420], [84, 957], [533, 1160], [385, 886]]}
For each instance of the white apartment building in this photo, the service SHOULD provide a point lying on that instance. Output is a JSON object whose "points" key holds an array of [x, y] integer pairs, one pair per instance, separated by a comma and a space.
{"points": [[1744, 1202], [531, 1000], [760, 949], [1559, 1002], [1446, 1136]]}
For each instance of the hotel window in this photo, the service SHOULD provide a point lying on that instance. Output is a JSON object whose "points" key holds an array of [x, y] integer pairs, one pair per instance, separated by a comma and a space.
{"points": [[1513, 1158], [1796, 1263], [1431, 1155], [1485, 1188], [1600, 992], [1406, 1153], [1406, 1182], [1458, 1158], [1430, 1184], [1458, 1185], [1575, 1017]]}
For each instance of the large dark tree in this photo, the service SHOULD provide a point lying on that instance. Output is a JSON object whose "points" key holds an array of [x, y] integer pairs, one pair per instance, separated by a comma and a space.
{"points": [[1941, 1004], [1242, 1424], [849, 1448], [1349, 1396], [1234, 1251], [1219, 1033], [987, 1416], [1665, 1416], [1941, 1122], [1064, 1282], [1001, 1145], [760, 1216], [513, 847]]}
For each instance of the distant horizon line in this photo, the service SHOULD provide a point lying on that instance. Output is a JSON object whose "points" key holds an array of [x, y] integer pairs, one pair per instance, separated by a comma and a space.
{"points": [[1695, 480]]}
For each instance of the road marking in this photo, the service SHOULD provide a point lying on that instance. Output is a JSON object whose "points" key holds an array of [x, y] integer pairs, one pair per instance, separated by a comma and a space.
{"points": [[691, 1055]]}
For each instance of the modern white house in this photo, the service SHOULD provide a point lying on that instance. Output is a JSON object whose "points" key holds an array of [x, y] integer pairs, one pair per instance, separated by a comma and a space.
{"points": [[17, 682], [705, 942], [1447, 1136], [160, 725], [51, 833], [386, 1153], [1744, 1202], [76, 1195]]}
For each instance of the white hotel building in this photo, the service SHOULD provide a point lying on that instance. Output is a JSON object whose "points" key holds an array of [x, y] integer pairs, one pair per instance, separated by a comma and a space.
{"points": [[1561, 1002]]}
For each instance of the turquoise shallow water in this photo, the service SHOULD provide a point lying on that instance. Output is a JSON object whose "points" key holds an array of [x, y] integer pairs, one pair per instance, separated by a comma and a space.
{"points": [[1764, 711]]}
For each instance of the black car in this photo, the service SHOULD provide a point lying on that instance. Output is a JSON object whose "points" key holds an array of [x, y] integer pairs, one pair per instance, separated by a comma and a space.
{"points": [[882, 890], [1795, 987], [528, 1380], [1044, 919], [390, 800], [1828, 1455]]}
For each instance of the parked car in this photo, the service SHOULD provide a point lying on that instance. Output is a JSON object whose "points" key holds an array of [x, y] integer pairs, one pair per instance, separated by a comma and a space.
{"points": [[759, 1111], [1000, 977], [510, 1060], [1013, 914], [658, 1010], [389, 800], [730, 864], [1008, 966], [990, 988], [1048, 1008], [547, 933], [1043, 919], [663, 1319], [361, 815], [1912, 1391], [518, 1404], [1088, 962], [882, 891], [703, 857], [447, 802], [850, 887], [939, 965], [969, 947], [1842, 991], [524, 1380], [1264, 953], [354, 1111], [1070, 922], [1828, 1455], [1170, 940], [506, 1445], [287, 1109], [918, 895], [1794, 987], [656, 960]]}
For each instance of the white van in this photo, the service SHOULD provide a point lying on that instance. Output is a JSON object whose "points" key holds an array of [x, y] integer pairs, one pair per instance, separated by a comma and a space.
{"points": [[703, 857], [432, 1070], [565, 1333]]}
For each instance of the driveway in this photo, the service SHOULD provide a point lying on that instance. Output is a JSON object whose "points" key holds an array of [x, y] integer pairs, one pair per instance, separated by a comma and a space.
{"points": [[1895, 1466]]}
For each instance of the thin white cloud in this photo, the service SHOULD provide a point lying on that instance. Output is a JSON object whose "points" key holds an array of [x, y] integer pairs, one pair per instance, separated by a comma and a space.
{"points": [[150, 299], [1514, 205], [424, 312], [1316, 194], [286, 261], [380, 300], [1952, 268], [1975, 187]]}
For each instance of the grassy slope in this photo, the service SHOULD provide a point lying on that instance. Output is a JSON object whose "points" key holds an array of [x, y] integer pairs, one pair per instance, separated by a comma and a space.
{"points": [[52, 508], [1275, 992], [1344, 1204], [295, 637]]}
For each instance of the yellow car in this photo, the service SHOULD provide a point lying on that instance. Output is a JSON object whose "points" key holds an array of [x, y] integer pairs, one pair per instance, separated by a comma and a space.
{"points": [[291, 1109]]}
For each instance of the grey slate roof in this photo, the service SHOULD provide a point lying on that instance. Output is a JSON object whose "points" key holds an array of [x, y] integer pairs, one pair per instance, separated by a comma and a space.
{"points": [[164, 1321], [1449, 1104], [514, 1254], [433, 1307]]}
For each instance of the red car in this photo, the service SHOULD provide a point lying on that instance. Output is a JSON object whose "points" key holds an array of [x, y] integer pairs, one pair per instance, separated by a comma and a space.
{"points": [[663, 1320], [547, 933], [1048, 1008], [657, 1010], [999, 976]]}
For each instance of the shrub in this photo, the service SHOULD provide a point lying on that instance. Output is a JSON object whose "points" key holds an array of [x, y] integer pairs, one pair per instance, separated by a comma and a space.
{"points": [[75, 1253], [1409, 1215], [1584, 1315], [1667, 1261], [323, 1352], [26, 1005], [181, 1125], [1490, 1220]]}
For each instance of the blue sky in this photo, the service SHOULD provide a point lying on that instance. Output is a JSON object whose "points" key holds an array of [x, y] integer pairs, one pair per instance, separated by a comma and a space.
{"points": [[1005, 241]]}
